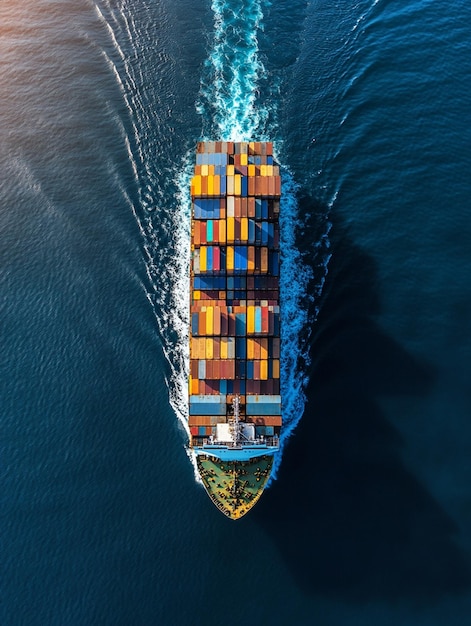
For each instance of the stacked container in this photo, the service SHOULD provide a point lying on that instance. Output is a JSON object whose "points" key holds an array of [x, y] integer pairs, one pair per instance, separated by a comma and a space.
{"points": [[234, 307]]}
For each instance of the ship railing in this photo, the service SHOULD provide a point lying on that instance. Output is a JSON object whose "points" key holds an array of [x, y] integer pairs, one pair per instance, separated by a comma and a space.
{"points": [[270, 443]]}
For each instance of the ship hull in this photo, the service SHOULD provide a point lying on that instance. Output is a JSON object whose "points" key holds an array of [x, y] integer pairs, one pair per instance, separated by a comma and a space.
{"points": [[235, 412]]}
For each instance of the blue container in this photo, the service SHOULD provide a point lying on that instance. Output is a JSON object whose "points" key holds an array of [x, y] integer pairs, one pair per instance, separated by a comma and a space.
{"points": [[240, 324], [223, 386], [240, 369], [251, 231], [269, 431], [276, 330], [223, 184], [264, 209], [241, 348], [271, 234], [263, 408], [194, 324], [240, 258], [258, 319], [274, 262], [258, 209], [201, 431], [209, 231], [244, 187], [264, 226], [269, 160], [250, 367], [230, 282], [209, 259], [242, 386]]}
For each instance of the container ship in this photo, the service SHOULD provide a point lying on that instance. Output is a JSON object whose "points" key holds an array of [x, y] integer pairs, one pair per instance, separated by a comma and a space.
{"points": [[234, 383]]}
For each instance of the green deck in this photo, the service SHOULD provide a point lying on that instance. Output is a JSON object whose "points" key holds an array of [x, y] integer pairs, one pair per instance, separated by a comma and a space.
{"points": [[234, 486]]}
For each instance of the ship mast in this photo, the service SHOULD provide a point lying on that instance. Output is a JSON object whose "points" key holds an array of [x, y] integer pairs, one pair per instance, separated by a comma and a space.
{"points": [[234, 425]]}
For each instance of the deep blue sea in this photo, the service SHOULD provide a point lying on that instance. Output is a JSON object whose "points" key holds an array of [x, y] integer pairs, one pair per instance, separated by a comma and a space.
{"points": [[368, 102]]}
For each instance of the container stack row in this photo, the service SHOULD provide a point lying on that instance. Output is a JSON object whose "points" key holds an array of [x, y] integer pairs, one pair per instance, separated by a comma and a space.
{"points": [[234, 308]]}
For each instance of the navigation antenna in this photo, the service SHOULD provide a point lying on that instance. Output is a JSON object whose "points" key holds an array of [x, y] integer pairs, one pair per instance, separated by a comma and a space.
{"points": [[235, 425]]}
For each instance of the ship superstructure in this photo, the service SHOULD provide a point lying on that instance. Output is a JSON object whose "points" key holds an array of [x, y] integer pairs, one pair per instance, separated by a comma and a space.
{"points": [[234, 384]]}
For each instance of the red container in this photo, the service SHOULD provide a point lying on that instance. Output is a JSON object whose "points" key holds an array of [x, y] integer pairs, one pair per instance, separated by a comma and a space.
{"points": [[237, 227], [277, 186], [236, 207], [265, 319], [202, 232], [216, 258], [217, 321], [202, 323]]}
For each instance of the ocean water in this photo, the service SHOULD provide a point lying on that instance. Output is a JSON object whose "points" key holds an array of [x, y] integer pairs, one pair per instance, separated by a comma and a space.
{"points": [[368, 521]]}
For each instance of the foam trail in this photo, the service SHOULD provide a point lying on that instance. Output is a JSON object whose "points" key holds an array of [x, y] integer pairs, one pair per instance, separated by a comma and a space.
{"points": [[230, 82]]}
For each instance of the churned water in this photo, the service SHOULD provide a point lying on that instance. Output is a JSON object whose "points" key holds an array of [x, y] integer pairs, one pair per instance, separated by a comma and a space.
{"points": [[369, 107]]}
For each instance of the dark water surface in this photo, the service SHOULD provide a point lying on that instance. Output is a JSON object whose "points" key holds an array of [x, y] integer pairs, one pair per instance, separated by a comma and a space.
{"points": [[369, 104]]}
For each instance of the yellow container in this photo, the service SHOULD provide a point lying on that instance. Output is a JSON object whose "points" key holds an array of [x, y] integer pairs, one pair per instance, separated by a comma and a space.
{"points": [[269, 170], [210, 185], [230, 170], [244, 159], [194, 387], [264, 370], [204, 170], [211, 170], [217, 185], [251, 319], [263, 170], [196, 185], [202, 259], [223, 348], [250, 348], [222, 231], [209, 347], [251, 170], [197, 294], [230, 230], [244, 229], [230, 186], [230, 258], [209, 322], [237, 185]]}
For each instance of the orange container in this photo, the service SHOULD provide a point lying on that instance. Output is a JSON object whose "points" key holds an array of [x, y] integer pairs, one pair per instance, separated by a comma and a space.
{"points": [[276, 368], [264, 260]]}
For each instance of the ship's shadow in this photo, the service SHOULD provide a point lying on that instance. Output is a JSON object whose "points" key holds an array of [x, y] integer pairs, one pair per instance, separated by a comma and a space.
{"points": [[349, 518]]}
